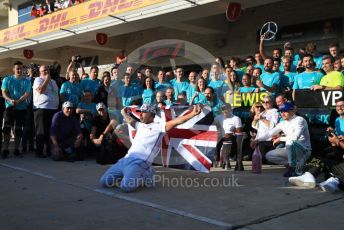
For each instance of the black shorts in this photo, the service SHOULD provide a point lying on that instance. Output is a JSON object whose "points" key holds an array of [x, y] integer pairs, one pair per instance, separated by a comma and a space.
{"points": [[14, 117]]}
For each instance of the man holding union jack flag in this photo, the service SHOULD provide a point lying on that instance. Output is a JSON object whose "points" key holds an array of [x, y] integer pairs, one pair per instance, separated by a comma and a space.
{"points": [[135, 168]]}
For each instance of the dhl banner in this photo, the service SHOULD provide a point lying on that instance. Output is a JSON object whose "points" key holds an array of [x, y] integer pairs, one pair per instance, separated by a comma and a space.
{"points": [[72, 16]]}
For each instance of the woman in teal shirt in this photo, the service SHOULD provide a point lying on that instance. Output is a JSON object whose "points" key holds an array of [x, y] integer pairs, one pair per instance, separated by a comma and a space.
{"points": [[198, 97], [148, 96]]}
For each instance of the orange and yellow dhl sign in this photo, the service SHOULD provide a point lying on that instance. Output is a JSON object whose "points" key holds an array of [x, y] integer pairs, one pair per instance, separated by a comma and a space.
{"points": [[73, 16]]}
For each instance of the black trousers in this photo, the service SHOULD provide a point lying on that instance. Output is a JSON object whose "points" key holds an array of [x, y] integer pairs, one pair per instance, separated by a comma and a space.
{"points": [[29, 129], [43, 119], [233, 148], [14, 118], [264, 147]]}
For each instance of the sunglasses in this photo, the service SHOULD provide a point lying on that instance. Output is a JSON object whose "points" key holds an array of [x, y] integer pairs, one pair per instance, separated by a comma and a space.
{"points": [[259, 106]]}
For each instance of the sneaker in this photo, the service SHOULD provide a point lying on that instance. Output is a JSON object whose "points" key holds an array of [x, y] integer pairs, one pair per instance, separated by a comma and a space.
{"points": [[306, 180], [228, 165], [5, 154], [17, 153], [330, 185], [290, 172]]}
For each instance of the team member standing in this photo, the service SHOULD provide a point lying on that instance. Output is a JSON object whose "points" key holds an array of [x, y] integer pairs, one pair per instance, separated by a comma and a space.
{"points": [[15, 89], [45, 104], [92, 83]]}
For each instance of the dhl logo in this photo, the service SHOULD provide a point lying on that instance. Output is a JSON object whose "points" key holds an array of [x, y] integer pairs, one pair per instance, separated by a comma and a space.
{"points": [[13, 34], [54, 22], [72, 16]]}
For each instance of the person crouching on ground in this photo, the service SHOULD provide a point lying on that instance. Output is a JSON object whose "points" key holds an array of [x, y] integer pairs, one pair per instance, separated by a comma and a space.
{"points": [[66, 135], [298, 146], [106, 145], [134, 170]]}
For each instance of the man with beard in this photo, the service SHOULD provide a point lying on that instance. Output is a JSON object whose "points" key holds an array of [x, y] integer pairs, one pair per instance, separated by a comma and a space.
{"points": [[309, 77], [270, 80], [333, 80]]}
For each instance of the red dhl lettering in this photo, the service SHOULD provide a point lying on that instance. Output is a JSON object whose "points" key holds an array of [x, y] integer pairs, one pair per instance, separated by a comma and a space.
{"points": [[14, 33], [137, 2], [54, 22], [110, 6], [43, 25], [125, 4], [64, 22], [95, 9]]}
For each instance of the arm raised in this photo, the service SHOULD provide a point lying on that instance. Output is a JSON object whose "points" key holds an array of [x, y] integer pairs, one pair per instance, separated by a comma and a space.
{"points": [[180, 120]]}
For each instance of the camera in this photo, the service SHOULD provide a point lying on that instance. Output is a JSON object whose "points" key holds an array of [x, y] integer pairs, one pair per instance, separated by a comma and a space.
{"points": [[78, 59]]}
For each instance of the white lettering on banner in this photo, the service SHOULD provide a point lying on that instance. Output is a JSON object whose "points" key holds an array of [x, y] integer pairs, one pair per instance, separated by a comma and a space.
{"points": [[325, 98], [336, 96], [328, 95]]}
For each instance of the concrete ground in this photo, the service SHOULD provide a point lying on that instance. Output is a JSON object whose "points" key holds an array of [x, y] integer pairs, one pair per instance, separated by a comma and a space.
{"points": [[42, 194]]}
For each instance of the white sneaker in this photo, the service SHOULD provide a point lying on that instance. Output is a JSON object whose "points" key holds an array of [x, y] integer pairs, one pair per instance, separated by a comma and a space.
{"points": [[330, 185], [306, 180]]}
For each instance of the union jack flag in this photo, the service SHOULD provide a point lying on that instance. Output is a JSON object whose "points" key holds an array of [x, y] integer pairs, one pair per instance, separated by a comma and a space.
{"points": [[193, 140]]}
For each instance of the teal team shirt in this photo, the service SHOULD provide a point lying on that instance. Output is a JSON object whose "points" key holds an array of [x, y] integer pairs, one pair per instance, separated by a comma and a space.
{"points": [[305, 80], [15, 89], [127, 94], [161, 86], [339, 126], [72, 92], [247, 89], [200, 99], [148, 96], [318, 61], [90, 85], [289, 80], [190, 91], [216, 106], [217, 86], [270, 79], [179, 87], [87, 121]]}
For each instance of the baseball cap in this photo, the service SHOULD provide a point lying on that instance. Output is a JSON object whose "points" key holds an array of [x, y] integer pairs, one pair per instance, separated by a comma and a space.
{"points": [[146, 108], [285, 107], [67, 104], [100, 105]]}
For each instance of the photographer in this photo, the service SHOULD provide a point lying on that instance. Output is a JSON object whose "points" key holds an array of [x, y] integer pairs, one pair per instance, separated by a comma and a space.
{"points": [[75, 64]]}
